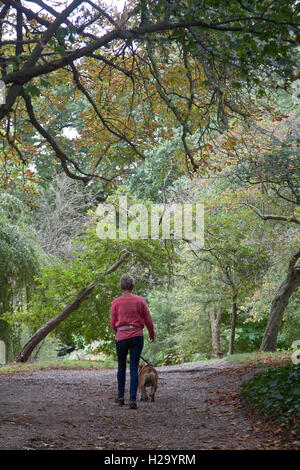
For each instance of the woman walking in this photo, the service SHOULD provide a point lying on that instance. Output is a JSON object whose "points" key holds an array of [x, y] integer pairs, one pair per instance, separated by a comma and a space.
{"points": [[129, 315]]}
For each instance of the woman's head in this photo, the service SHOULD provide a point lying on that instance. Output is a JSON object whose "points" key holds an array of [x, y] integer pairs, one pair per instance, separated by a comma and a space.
{"points": [[126, 282]]}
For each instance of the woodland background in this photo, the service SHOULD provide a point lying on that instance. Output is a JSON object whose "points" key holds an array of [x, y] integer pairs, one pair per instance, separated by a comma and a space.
{"points": [[163, 102]]}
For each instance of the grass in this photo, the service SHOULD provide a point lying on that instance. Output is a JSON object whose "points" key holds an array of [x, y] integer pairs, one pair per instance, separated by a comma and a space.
{"points": [[259, 357], [30, 367]]}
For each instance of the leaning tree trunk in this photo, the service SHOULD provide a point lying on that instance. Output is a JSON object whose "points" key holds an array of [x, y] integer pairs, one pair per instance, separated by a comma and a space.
{"points": [[215, 318], [280, 302], [40, 334], [233, 324]]}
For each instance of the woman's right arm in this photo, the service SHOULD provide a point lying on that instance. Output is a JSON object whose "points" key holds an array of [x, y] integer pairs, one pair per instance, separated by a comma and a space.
{"points": [[148, 321]]}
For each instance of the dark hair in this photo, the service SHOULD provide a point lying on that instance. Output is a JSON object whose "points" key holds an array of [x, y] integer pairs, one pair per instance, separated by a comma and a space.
{"points": [[126, 282]]}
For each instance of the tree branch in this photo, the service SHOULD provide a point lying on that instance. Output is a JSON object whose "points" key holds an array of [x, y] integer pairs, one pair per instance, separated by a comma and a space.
{"points": [[49, 33], [102, 119], [58, 151], [19, 27], [272, 216]]}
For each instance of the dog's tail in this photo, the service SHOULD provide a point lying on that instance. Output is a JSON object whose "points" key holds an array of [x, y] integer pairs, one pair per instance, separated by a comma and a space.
{"points": [[151, 380]]}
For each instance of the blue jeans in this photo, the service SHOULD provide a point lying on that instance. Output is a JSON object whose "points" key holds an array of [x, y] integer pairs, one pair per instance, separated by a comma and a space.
{"points": [[135, 346]]}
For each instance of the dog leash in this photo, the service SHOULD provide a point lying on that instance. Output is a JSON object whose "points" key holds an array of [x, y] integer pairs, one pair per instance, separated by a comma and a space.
{"points": [[145, 360]]}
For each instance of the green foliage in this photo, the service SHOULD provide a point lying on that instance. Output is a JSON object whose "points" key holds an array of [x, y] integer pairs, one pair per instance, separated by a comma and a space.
{"points": [[290, 328], [164, 311], [58, 285], [32, 90], [255, 309], [234, 41], [17, 263], [237, 254], [279, 170], [275, 392], [20, 256], [20, 261], [181, 325], [158, 172], [247, 337], [192, 327], [11, 335]]}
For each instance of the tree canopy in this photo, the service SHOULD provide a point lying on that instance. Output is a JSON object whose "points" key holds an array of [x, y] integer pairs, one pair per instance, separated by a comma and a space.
{"points": [[123, 69]]}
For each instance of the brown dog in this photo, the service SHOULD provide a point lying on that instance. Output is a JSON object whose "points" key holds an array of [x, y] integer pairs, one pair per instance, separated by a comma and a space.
{"points": [[147, 378]]}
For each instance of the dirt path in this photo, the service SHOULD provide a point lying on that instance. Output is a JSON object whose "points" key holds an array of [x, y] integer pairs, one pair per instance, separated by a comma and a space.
{"points": [[196, 407]]}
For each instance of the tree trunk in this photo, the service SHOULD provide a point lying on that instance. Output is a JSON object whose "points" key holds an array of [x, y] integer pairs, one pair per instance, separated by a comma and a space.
{"points": [[215, 331], [40, 334], [280, 302], [233, 325]]}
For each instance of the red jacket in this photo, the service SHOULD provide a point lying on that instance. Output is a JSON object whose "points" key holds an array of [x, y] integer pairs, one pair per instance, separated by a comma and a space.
{"points": [[131, 310]]}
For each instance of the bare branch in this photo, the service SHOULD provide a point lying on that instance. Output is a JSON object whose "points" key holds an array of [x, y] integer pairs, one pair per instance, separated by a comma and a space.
{"points": [[272, 216], [103, 13], [30, 15], [111, 64], [19, 28]]}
